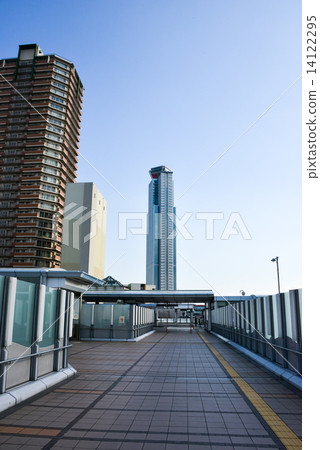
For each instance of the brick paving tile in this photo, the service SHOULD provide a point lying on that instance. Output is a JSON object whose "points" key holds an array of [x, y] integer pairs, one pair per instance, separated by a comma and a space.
{"points": [[220, 439], [109, 445], [12, 446], [167, 392], [241, 440], [154, 446], [66, 443], [196, 447], [132, 446]]}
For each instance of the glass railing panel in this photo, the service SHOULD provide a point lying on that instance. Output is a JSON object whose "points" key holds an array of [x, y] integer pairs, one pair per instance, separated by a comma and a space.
{"points": [[22, 334], [50, 317]]}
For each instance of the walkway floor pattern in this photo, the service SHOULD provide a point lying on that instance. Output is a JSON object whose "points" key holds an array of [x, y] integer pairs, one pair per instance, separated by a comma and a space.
{"points": [[168, 391]]}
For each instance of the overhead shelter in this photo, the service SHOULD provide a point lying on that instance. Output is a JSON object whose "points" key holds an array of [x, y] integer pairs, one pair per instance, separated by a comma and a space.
{"points": [[71, 280], [155, 297]]}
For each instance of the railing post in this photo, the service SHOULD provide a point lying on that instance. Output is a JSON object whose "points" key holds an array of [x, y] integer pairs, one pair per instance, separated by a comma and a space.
{"points": [[80, 314], [284, 331], [299, 329], [65, 332], [59, 327], [242, 323], [255, 334], [209, 316], [263, 326], [111, 321], [272, 339], [131, 326], [249, 341], [7, 316], [39, 305], [92, 322]]}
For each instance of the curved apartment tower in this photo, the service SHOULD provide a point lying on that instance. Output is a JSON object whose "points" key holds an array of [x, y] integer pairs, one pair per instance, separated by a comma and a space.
{"points": [[161, 239], [40, 115]]}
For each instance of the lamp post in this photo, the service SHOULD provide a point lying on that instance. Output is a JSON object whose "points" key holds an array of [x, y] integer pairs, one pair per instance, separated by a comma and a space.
{"points": [[276, 259]]}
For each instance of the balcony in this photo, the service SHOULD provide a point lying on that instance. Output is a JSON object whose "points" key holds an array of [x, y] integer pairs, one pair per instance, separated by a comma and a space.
{"points": [[28, 188], [31, 169], [25, 264], [17, 214], [38, 177], [22, 255], [36, 135], [25, 224], [28, 205]]}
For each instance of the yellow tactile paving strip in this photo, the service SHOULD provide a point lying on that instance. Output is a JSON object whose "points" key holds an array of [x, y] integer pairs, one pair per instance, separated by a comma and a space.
{"points": [[289, 439], [6, 429]]}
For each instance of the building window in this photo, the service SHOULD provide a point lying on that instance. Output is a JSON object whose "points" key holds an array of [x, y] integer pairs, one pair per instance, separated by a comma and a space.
{"points": [[56, 91], [52, 153], [63, 65], [56, 122], [49, 179], [61, 72], [59, 85], [57, 77], [47, 206], [54, 129], [60, 108], [56, 114], [47, 187], [52, 171], [54, 137], [58, 100]]}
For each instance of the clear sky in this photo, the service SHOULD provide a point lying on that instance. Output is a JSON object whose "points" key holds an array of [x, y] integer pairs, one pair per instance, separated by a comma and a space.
{"points": [[175, 82]]}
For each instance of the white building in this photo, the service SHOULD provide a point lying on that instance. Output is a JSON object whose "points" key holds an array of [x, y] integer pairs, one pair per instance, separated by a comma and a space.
{"points": [[84, 229]]}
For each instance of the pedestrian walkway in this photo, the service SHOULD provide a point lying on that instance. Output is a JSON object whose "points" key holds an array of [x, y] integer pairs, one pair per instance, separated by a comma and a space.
{"points": [[175, 390]]}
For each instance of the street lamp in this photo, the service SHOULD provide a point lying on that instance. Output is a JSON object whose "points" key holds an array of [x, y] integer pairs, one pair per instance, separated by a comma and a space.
{"points": [[276, 259]]}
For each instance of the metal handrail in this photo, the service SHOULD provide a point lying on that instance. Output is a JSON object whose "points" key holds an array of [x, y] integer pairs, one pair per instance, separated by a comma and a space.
{"points": [[31, 355], [230, 330]]}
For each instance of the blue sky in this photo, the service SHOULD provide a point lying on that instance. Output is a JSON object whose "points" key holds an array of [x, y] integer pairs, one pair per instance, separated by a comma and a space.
{"points": [[175, 82]]}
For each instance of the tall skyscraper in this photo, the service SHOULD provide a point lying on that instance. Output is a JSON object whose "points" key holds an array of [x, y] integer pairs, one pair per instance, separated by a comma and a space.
{"points": [[84, 229], [161, 240], [39, 141]]}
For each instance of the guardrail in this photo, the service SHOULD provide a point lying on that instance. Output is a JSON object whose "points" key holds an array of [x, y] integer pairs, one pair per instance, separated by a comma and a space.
{"points": [[269, 326], [35, 326]]}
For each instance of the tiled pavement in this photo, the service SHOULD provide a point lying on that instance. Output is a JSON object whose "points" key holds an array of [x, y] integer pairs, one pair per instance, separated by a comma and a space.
{"points": [[169, 391]]}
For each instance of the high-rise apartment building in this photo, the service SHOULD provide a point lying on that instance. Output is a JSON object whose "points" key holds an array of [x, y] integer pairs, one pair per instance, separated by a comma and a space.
{"points": [[161, 239], [84, 229], [40, 115]]}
